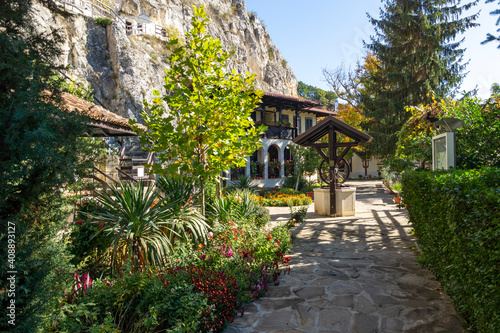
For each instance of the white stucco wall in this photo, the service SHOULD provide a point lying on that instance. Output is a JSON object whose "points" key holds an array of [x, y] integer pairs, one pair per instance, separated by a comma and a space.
{"points": [[357, 167]]}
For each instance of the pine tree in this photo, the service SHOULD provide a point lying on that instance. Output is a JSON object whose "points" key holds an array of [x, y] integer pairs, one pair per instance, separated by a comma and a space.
{"points": [[490, 37], [419, 57]]}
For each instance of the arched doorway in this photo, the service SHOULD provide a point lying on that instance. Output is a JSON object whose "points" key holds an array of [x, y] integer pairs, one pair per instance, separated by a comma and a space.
{"points": [[273, 158], [257, 164]]}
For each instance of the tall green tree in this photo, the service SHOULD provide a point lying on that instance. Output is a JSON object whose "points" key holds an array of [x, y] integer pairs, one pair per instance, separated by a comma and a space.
{"points": [[39, 154], [419, 56], [495, 89], [207, 128], [327, 98], [490, 37]]}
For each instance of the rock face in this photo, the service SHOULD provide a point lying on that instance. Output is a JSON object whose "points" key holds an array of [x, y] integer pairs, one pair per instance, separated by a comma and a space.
{"points": [[123, 71]]}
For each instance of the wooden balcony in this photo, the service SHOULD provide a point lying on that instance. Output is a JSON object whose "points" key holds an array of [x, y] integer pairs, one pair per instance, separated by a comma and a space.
{"points": [[280, 132]]}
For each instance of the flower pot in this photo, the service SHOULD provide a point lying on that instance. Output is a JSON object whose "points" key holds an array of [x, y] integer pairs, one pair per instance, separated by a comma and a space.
{"points": [[310, 195], [397, 200]]}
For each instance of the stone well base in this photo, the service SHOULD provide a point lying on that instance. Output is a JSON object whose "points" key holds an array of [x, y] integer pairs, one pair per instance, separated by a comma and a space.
{"points": [[345, 199]]}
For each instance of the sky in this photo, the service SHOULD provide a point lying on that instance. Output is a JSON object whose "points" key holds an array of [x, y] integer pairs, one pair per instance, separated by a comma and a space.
{"points": [[316, 34]]}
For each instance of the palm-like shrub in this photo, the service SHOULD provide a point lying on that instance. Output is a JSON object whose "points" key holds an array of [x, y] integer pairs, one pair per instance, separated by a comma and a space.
{"points": [[175, 190], [243, 183], [145, 225], [245, 206], [238, 205], [220, 209]]}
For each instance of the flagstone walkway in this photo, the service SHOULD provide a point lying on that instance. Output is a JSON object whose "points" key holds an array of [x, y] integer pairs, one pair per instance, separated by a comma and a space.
{"points": [[353, 274]]}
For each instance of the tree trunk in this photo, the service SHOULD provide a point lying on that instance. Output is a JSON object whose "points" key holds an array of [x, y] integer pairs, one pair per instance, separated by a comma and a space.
{"points": [[219, 186], [297, 182], [202, 190]]}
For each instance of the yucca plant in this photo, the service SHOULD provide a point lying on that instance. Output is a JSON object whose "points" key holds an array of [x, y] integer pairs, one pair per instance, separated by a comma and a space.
{"points": [[145, 225], [244, 207], [243, 183], [175, 190], [220, 209]]}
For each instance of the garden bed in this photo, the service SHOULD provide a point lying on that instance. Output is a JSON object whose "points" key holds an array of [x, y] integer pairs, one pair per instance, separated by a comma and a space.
{"points": [[199, 286], [283, 198]]}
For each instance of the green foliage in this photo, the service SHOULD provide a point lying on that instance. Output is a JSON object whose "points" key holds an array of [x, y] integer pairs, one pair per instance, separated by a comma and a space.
{"points": [[257, 169], [136, 302], [306, 159], [175, 190], [474, 143], [456, 218], [490, 37], [291, 182], [143, 226], [474, 147], [195, 137], [243, 183], [298, 214], [39, 156], [252, 16], [327, 98], [89, 245], [103, 21], [238, 205], [418, 57], [495, 90], [270, 53]]}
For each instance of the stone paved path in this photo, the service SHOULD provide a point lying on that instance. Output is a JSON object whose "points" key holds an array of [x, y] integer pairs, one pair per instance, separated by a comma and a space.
{"points": [[353, 274]]}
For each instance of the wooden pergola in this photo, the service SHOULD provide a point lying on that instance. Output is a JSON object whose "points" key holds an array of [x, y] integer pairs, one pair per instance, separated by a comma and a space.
{"points": [[331, 126]]}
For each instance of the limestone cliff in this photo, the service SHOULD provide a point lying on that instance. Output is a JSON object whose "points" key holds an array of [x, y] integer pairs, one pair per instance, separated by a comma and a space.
{"points": [[123, 71]]}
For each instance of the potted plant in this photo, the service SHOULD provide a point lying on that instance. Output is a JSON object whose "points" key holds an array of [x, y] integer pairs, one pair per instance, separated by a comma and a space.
{"points": [[396, 188], [309, 191]]}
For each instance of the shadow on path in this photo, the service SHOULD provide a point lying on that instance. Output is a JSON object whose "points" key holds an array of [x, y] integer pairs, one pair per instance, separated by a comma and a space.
{"points": [[353, 274]]}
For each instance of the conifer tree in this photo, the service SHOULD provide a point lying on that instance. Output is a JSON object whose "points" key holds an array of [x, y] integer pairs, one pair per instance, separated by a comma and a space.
{"points": [[490, 37], [419, 57]]}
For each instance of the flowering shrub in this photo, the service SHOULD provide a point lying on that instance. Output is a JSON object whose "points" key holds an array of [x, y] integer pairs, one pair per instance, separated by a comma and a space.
{"points": [[289, 168], [219, 287], [274, 168], [200, 289], [257, 169], [275, 198], [236, 172], [298, 215]]}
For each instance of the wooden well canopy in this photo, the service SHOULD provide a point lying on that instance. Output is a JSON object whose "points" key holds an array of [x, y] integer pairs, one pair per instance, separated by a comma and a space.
{"points": [[331, 126]]}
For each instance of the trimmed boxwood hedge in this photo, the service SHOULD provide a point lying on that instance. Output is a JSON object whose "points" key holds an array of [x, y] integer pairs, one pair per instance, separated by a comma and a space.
{"points": [[456, 219]]}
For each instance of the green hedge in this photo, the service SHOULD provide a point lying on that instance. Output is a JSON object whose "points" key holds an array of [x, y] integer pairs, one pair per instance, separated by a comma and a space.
{"points": [[456, 218]]}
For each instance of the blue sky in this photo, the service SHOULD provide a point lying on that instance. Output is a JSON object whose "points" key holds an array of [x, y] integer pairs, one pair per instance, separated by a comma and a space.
{"points": [[316, 34]]}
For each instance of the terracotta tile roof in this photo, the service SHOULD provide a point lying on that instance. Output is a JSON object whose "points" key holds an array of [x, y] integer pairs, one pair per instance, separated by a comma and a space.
{"points": [[291, 98], [93, 111], [326, 112], [104, 121]]}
